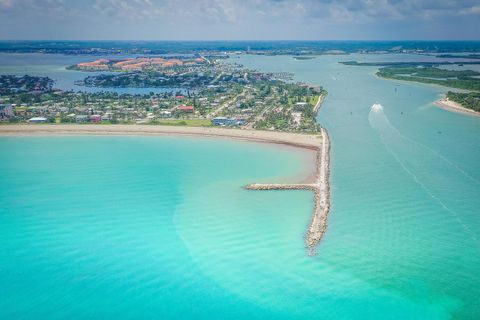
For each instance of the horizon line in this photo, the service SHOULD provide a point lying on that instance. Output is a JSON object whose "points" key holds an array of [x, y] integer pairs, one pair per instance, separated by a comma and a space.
{"points": [[246, 40]]}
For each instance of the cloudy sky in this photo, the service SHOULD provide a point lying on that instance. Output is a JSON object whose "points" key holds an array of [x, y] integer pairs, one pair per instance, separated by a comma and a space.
{"points": [[240, 19]]}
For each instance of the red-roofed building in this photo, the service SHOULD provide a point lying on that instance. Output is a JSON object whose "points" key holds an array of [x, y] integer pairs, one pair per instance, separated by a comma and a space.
{"points": [[188, 109], [179, 97], [95, 118]]}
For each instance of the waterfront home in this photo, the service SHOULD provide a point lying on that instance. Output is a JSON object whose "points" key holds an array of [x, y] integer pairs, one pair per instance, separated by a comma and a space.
{"points": [[95, 118], [37, 120], [166, 114], [81, 118], [227, 122], [186, 109], [6, 111]]}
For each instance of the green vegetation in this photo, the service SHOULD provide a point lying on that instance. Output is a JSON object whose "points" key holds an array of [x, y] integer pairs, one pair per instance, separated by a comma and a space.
{"points": [[429, 72], [186, 122], [230, 94], [461, 79], [11, 84], [461, 56], [295, 110], [470, 100]]}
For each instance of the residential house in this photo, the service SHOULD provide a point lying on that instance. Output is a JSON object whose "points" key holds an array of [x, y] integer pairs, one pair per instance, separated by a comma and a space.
{"points": [[6, 111], [186, 109]]}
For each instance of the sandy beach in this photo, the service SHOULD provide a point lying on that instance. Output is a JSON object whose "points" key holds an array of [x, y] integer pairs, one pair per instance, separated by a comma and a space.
{"points": [[450, 105], [307, 141]]}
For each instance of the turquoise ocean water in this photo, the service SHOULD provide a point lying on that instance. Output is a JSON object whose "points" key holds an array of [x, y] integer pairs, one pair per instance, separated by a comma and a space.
{"points": [[129, 227]]}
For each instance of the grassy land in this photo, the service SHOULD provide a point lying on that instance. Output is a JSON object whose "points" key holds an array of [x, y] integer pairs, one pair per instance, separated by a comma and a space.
{"points": [[406, 63], [313, 100], [183, 122]]}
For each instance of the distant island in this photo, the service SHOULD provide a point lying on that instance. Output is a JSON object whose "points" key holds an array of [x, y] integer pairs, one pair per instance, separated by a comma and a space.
{"points": [[222, 48], [460, 79], [460, 56], [12, 84]]}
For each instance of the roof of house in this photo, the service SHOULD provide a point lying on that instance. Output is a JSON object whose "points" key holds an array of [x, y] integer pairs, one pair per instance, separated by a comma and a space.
{"points": [[185, 107]]}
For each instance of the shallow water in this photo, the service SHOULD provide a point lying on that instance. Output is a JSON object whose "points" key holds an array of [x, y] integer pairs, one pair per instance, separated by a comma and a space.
{"points": [[101, 227], [155, 227]]}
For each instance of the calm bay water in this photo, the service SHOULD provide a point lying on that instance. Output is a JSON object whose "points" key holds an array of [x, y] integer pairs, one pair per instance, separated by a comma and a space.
{"points": [[132, 227]]}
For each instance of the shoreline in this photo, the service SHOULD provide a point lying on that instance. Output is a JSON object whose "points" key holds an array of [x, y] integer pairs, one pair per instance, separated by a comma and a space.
{"points": [[306, 141], [318, 105], [449, 105]]}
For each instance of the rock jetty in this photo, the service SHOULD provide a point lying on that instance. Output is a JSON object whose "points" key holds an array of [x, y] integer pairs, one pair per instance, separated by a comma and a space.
{"points": [[321, 189]]}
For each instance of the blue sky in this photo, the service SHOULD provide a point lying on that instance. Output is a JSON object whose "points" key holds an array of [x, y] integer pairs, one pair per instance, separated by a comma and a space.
{"points": [[240, 19]]}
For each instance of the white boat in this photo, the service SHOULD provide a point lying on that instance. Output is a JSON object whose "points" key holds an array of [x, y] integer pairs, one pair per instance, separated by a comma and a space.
{"points": [[376, 107]]}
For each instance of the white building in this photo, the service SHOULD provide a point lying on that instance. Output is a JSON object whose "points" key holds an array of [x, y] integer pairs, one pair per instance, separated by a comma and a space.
{"points": [[38, 120]]}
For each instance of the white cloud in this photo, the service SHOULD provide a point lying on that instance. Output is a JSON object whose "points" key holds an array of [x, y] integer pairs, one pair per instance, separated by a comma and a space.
{"points": [[233, 18], [471, 10]]}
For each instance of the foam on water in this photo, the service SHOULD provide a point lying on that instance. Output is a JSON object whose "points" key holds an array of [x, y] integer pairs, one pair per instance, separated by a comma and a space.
{"points": [[397, 144], [376, 108]]}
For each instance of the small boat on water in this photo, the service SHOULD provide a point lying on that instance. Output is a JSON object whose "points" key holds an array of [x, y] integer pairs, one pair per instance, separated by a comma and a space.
{"points": [[376, 107]]}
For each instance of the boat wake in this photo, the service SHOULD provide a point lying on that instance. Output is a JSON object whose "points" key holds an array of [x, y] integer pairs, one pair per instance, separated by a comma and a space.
{"points": [[423, 164]]}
